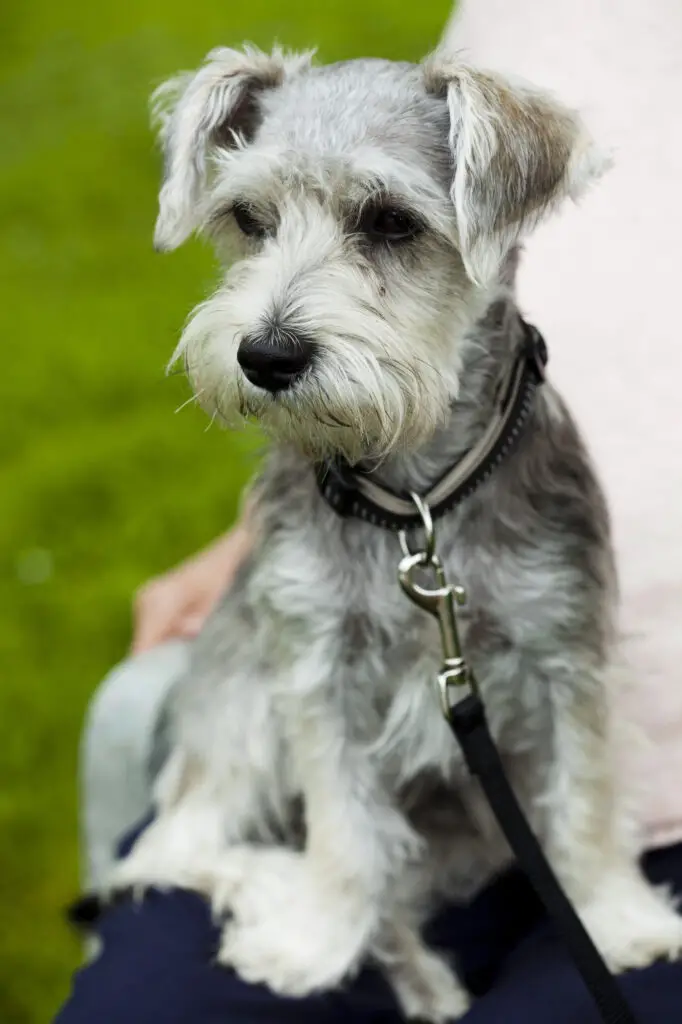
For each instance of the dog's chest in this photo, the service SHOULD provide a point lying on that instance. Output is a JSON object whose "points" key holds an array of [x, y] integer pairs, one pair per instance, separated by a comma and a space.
{"points": [[349, 593], [380, 650]]}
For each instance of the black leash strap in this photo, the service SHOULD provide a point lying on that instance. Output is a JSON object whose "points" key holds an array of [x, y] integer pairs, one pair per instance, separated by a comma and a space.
{"points": [[465, 714], [467, 719]]}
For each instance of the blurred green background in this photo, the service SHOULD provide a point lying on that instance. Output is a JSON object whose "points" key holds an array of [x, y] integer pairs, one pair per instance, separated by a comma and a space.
{"points": [[101, 485]]}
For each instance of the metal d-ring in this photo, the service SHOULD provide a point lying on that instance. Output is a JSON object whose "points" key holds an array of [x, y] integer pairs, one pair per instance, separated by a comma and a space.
{"points": [[429, 550]]}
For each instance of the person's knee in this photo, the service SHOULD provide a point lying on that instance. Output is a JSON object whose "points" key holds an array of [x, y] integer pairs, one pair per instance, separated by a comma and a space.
{"points": [[117, 747], [132, 692]]}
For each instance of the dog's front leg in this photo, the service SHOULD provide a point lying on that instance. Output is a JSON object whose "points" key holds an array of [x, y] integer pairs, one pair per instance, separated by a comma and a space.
{"points": [[303, 921], [589, 838]]}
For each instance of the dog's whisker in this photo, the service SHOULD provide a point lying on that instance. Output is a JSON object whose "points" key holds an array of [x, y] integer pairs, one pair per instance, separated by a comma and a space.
{"points": [[190, 400]]}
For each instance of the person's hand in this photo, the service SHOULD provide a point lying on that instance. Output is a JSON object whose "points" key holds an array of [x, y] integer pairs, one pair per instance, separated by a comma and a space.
{"points": [[178, 603]]}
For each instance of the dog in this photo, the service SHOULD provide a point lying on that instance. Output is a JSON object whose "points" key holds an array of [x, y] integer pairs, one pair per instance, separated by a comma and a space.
{"points": [[370, 216]]}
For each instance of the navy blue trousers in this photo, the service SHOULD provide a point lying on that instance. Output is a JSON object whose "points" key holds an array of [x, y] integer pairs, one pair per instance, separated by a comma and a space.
{"points": [[156, 968]]}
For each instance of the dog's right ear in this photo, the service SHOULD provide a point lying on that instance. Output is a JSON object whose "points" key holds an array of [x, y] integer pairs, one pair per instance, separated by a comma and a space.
{"points": [[198, 112]]}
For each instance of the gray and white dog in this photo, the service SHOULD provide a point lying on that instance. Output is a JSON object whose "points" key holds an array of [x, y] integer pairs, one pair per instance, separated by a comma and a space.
{"points": [[370, 215]]}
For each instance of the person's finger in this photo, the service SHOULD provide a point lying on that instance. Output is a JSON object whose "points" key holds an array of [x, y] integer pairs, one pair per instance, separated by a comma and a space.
{"points": [[147, 634], [191, 625], [155, 616]]}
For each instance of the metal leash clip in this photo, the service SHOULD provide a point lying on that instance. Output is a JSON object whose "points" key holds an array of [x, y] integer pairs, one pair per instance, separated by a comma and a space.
{"points": [[441, 601]]}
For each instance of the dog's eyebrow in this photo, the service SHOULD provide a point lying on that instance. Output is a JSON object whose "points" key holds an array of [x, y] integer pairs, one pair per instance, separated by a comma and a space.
{"points": [[261, 175], [267, 178], [377, 175], [396, 175]]}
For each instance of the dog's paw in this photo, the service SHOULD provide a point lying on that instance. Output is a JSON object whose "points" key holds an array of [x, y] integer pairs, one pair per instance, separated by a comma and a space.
{"points": [[287, 930], [174, 852], [138, 873], [142, 870], [428, 990], [133, 874], [633, 925]]}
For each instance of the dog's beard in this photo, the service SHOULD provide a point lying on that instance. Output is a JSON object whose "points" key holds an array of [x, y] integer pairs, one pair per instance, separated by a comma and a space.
{"points": [[356, 399], [383, 375], [324, 418]]}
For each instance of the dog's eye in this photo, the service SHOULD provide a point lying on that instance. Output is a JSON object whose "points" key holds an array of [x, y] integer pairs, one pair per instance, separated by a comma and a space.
{"points": [[391, 225], [247, 222]]}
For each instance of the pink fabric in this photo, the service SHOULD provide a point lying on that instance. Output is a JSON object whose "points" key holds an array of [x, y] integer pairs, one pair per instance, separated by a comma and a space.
{"points": [[604, 282]]}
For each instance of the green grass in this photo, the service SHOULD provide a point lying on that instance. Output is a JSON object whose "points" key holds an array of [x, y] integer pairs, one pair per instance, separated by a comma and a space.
{"points": [[101, 484]]}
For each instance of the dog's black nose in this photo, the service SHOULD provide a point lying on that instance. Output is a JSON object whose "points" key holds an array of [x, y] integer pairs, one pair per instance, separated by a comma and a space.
{"points": [[274, 361]]}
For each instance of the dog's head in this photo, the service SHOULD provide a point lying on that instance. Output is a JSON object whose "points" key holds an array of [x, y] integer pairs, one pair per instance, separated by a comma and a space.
{"points": [[365, 211]]}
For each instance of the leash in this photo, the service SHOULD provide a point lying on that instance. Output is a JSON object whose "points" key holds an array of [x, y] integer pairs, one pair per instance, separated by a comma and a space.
{"points": [[352, 491], [466, 717]]}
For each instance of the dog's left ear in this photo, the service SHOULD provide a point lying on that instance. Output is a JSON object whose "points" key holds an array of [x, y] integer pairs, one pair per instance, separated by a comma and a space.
{"points": [[199, 112], [517, 153]]}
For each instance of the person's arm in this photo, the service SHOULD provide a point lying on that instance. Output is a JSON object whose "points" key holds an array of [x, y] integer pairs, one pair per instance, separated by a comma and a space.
{"points": [[178, 603]]}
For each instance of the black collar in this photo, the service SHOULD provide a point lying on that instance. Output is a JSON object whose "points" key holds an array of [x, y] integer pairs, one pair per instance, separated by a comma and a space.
{"points": [[353, 492]]}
